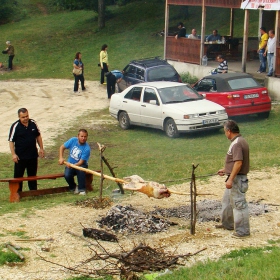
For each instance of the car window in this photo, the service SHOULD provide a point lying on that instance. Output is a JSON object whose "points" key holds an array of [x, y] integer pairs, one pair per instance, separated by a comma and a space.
{"points": [[140, 74], [134, 94], [206, 85], [243, 83], [161, 73], [130, 71], [150, 94], [178, 94]]}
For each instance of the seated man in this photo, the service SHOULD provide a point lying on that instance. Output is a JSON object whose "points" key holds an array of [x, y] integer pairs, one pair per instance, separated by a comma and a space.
{"points": [[182, 31], [193, 35], [223, 66], [79, 153], [214, 37]]}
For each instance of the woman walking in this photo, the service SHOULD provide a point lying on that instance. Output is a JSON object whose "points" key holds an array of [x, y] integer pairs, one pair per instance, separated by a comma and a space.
{"points": [[78, 72], [103, 63]]}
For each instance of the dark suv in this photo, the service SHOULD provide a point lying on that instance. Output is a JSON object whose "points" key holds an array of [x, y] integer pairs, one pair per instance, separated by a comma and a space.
{"points": [[148, 70]]}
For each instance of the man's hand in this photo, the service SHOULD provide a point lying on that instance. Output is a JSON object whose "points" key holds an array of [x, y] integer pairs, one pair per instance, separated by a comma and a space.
{"points": [[15, 158], [229, 183], [221, 172], [61, 160], [41, 153]]}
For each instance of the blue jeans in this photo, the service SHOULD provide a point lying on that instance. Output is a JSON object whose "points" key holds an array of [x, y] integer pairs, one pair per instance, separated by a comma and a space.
{"points": [[262, 61], [270, 60], [69, 174]]}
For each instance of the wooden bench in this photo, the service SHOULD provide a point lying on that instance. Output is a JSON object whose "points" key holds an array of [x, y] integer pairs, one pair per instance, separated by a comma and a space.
{"points": [[14, 186]]}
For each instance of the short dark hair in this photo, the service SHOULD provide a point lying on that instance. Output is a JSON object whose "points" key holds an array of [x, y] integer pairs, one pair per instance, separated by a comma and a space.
{"points": [[83, 130], [22, 110], [180, 23], [263, 28], [221, 56], [104, 47], [77, 55], [231, 126], [215, 30]]}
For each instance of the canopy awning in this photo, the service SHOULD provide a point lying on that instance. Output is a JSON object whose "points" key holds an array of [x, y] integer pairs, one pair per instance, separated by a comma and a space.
{"points": [[268, 5]]}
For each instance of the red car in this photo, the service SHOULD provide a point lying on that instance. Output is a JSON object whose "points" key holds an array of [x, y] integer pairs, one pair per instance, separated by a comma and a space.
{"points": [[239, 93]]}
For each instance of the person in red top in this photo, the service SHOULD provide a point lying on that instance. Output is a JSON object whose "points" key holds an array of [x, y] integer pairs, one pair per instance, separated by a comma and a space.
{"points": [[235, 213]]}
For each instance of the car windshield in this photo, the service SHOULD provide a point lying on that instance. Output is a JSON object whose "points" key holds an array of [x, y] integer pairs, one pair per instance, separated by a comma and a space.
{"points": [[178, 94], [161, 73], [243, 83]]}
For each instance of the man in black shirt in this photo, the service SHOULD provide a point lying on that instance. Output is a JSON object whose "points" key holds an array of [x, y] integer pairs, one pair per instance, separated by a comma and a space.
{"points": [[23, 137], [182, 31]]}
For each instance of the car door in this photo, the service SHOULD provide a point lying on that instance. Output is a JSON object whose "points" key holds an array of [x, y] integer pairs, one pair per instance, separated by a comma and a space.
{"points": [[151, 110], [131, 104], [208, 88]]}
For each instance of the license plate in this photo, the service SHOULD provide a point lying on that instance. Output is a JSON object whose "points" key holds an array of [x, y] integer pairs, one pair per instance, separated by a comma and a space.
{"points": [[210, 121], [248, 96]]}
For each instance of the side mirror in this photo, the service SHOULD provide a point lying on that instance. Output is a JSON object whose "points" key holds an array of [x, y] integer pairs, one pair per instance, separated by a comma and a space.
{"points": [[153, 102]]}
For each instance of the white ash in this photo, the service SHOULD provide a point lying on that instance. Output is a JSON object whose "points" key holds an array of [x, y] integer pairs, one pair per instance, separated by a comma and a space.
{"points": [[128, 219], [208, 210]]}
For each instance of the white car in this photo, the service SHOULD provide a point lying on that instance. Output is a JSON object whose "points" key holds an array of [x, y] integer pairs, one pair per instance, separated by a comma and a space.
{"points": [[173, 107]]}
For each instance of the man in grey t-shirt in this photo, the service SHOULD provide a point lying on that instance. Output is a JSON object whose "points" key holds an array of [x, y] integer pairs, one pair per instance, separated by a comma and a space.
{"points": [[235, 214]]}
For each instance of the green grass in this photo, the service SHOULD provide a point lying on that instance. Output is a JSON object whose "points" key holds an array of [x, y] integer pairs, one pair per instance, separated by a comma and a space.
{"points": [[8, 257], [246, 264]]}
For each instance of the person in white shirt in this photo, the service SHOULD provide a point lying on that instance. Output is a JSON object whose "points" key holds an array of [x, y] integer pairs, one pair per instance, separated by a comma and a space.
{"points": [[269, 51], [193, 35]]}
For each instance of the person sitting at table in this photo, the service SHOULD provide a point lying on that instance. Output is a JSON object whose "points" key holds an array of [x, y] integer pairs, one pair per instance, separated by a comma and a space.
{"points": [[193, 35], [223, 66], [214, 37], [182, 31]]}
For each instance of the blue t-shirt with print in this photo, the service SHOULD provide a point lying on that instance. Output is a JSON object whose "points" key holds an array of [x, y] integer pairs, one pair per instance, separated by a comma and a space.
{"points": [[77, 151]]}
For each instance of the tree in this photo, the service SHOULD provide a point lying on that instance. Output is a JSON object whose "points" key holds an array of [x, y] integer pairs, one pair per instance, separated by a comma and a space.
{"points": [[101, 14]]}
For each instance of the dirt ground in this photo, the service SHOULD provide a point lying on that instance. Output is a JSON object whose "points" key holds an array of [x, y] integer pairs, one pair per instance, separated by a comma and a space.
{"points": [[51, 103]]}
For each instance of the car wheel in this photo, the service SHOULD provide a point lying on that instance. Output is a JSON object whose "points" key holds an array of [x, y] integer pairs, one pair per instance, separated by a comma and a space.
{"points": [[264, 115], [171, 129], [124, 120]]}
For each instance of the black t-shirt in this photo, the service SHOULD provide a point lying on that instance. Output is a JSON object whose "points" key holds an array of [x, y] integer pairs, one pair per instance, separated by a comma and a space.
{"points": [[24, 138], [182, 32]]}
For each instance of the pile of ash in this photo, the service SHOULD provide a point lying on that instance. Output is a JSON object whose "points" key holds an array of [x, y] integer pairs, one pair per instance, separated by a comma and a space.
{"points": [[208, 210], [128, 219]]}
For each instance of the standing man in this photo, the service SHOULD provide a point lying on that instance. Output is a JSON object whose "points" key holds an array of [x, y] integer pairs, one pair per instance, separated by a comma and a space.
{"points": [[235, 214], [10, 50], [193, 35], [261, 49], [79, 153], [269, 51], [23, 137], [113, 77], [182, 31]]}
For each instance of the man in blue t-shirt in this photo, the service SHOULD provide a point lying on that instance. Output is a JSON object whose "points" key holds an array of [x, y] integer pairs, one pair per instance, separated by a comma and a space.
{"points": [[79, 153]]}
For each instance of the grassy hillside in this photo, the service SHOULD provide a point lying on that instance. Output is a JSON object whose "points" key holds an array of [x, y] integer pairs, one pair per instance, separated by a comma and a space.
{"points": [[46, 43]]}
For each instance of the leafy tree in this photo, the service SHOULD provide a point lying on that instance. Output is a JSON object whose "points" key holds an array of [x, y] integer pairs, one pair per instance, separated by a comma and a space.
{"points": [[8, 10]]}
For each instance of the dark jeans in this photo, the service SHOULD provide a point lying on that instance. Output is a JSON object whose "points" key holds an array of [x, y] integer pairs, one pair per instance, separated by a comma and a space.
{"points": [[76, 83], [111, 84], [103, 71], [31, 167], [11, 57], [81, 176]]}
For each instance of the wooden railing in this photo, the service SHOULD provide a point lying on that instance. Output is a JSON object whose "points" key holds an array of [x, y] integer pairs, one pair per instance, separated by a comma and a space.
{"points": [[183, 50]]}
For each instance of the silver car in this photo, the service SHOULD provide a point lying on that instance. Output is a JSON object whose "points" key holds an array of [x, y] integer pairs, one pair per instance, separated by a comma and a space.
{"points": [[173, 107]]}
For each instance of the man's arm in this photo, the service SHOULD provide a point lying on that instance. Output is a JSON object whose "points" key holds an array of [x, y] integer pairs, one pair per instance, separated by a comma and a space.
{"points": [[40, 143], [61, 151], [12, 149], [236, 168]]}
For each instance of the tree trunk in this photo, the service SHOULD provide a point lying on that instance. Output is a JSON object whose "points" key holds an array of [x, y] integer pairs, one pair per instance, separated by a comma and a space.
{"points": [[101, 14]]}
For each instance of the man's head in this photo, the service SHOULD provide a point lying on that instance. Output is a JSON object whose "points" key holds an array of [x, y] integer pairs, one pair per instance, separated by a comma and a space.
{"points": [[194, 32], [231, 129], [220, 58], [82, 136], [23, 116], [271, 33], [263, 30], [180, 25], [8, 43], [215, 32]]}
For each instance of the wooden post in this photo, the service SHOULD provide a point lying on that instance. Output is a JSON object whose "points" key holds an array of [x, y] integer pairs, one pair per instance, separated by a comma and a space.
{"points": [[231, 24], [245, 40], [166, 26], [193, 194], [102, 172], [203, 19]]}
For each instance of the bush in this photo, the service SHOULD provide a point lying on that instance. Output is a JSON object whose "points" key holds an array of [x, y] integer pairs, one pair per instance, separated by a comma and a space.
{"points": [[187, 78]]}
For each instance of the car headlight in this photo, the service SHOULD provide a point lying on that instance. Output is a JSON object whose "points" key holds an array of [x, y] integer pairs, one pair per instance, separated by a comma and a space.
{"points": [[221, 112], [190, 116]]}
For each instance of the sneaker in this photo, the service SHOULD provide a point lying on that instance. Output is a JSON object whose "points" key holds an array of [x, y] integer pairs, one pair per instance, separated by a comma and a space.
{"points": [[236, 235], [104, 84], [82, 193], [84, 89], [259, 71], [76, 191]]}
